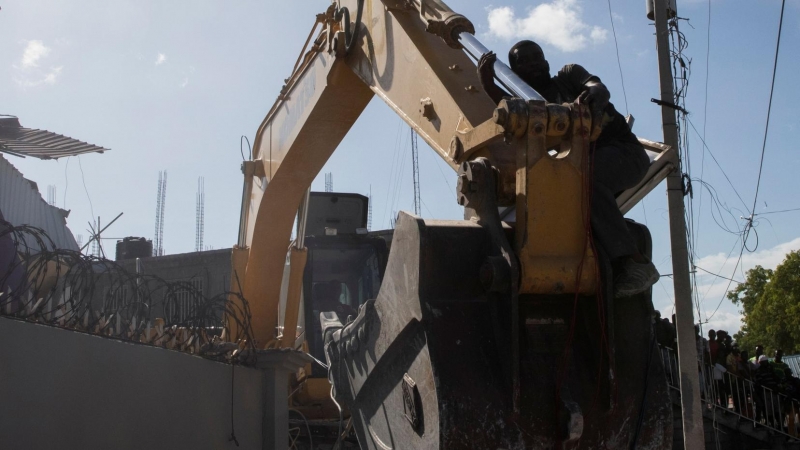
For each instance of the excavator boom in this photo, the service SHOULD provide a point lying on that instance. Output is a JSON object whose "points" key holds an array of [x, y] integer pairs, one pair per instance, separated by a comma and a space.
{"points": [[476, 334]]}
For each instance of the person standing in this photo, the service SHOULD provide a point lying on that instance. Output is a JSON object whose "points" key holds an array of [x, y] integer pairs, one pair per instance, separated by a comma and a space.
{"points": [[734, 379], [758, 352], [779, 366], [619, 160], [766, 390], [713, 346]]}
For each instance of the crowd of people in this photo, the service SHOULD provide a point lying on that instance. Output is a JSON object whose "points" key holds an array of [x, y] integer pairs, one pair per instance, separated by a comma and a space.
{"points": [[757, 387]]}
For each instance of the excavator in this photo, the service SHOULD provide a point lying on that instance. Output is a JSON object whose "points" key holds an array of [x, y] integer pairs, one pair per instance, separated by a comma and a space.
{"points": [[498, 331]]}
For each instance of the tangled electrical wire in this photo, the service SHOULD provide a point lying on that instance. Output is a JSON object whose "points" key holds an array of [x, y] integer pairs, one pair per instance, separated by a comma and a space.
{"points": [[65, 288], [724, 216]]}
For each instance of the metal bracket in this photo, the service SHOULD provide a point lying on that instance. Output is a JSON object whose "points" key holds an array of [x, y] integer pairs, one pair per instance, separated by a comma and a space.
{"points": [[253, 168], [477, 192]]}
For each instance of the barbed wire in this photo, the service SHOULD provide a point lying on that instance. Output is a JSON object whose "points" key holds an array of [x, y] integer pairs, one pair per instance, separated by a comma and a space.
{"points": [[65, 288]]}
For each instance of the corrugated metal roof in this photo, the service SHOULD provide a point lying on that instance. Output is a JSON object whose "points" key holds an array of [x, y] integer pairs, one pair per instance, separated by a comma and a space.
{"points": [[793, 362], [42, 144], [21, 204]]}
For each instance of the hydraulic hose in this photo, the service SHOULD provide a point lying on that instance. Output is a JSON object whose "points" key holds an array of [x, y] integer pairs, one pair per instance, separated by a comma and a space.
{"points": [[350, 34]]}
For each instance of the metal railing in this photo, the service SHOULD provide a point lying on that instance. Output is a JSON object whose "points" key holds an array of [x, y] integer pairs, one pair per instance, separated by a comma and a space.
{"points": [[728, 393]]}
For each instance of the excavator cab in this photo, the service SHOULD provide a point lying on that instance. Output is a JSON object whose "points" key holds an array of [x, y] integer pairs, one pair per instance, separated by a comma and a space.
{"points": [[342, 273], [344, 267]]}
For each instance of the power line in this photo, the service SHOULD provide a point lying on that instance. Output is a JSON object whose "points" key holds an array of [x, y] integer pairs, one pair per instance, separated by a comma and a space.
{"points": [[619, 64], [386, 205], [724, 263], [66, 183], [708, 57], [720, 208], [438, 163], [769, 107], [718, 164], [731, 280], [776, 212], [745, 235], [398, 179], [83, 179], [428, 209], [705, 116], [718, 275]]}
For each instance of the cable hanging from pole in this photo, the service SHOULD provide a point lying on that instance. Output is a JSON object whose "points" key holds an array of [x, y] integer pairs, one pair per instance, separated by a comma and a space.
{"points": [[766, 126]]}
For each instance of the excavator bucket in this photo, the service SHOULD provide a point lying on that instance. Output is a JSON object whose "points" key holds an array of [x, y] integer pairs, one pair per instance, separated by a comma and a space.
{"points": [[431, 363]]}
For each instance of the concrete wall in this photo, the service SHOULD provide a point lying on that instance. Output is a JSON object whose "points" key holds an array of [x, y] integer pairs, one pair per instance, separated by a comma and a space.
{"points": [[211, 266], [211, 269], [61, 389]]}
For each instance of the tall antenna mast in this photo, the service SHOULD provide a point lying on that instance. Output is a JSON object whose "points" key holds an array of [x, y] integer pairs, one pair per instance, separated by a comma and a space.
{"points": [[415, 172], [329, 182], [158, 216], [158, 235], [51, 195], [95, 249], [99, 241], [161, 215], [200, 215], [369, 209]]}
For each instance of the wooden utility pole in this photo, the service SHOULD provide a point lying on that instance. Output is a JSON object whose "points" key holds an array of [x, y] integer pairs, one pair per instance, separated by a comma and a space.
{"points": [[691, 407]]}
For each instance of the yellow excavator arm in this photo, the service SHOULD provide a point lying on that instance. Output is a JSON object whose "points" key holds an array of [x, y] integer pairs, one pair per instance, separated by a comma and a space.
{"points": [[430, 84], [481, 306], [415, 56]]}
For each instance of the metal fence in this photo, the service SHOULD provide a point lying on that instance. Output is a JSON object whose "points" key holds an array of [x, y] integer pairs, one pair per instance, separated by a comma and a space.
{"points": [[727, 393]]}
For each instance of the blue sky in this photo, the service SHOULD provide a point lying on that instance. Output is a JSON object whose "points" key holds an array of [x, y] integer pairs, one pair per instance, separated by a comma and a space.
{"points": [[173, 85]]}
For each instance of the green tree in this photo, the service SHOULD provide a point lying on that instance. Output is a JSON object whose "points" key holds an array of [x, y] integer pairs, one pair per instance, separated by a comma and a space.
{"points": [[747, 295], [770, 302]]}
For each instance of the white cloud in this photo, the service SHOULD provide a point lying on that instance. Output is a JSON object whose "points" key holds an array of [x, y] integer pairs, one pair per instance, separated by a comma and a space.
{"points": [[711, 289], [557, 23], [501, 22], [598, 34], [160, 59], [724, 320], [184, 82], [768, 258], [50, 77], [28, 73], [34, 51]]}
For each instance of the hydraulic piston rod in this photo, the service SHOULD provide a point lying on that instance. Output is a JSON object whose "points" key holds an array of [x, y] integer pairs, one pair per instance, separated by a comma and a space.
{"points": [[506, 76]]}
